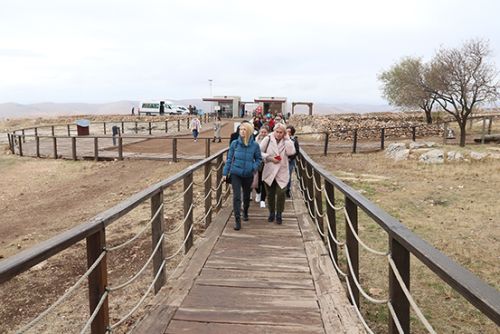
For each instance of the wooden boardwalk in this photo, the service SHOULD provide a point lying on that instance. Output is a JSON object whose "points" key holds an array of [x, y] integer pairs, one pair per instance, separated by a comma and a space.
{"points": [[265, 278]]}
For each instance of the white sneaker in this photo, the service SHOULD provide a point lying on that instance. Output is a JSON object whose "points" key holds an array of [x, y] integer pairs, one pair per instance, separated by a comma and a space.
{"points": [[257, 198], [262, 204], [250, 196]]}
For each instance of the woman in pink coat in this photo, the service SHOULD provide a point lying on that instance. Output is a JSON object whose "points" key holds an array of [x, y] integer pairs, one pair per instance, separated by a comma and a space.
{"points": [[275, 150]]}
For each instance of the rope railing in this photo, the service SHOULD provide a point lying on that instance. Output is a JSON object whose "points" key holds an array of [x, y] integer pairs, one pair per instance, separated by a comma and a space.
{"points": [[131, 280], [182, 245], [42, 315], [181, 195], [182, 223], [113, 248], [205, 180], [314, 214], [96, 310]]}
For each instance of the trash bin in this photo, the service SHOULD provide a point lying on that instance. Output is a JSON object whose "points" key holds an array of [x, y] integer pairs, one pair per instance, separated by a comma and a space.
{"points": [[82, 127]]}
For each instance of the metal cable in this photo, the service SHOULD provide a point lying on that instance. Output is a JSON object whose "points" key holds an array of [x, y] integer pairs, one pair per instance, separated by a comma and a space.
{"points": [[371, 250], [355, 279], [414, 305], [110, 249], [181, 224], [160, 270], [94, 314], [64, 296], [121, 286]]}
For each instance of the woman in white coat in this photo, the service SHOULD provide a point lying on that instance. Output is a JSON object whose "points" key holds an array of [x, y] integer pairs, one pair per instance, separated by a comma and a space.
{"points": [[275, 150]]}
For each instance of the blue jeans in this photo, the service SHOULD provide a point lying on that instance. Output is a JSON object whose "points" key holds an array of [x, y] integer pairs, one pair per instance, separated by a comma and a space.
{"points": [[291, 166], [239, 182]]}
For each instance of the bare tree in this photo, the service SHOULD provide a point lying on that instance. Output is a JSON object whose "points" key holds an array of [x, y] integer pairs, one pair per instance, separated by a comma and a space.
{"points": [[461, 79], [402, 86]]}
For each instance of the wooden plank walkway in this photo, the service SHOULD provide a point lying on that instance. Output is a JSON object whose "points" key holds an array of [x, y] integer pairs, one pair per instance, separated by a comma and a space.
{"points": [[265, 278]]}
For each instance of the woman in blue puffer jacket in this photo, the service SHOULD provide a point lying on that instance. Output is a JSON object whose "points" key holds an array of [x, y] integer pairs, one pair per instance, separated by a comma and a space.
{"points": [[243, 160]]}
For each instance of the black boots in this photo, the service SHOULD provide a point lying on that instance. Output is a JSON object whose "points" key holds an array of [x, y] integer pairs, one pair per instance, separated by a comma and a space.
{"points": [[213, 141], [271, 217], [245, 215], [237, 224], [279, 219]]}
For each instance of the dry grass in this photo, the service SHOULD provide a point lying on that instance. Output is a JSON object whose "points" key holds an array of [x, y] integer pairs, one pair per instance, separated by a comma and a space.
{"points": [[453, 206]]}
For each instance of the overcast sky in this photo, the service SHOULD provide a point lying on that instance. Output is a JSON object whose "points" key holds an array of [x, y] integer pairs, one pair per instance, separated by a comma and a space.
{"points": [[322, 51]]}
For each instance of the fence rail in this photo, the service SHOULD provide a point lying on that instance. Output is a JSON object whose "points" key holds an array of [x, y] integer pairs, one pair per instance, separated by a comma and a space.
{"points": [[94, 232], [318, 185]]}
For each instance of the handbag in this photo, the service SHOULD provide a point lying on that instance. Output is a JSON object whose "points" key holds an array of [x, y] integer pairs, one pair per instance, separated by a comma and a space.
{"points": [[262, 163], [228, 176]]}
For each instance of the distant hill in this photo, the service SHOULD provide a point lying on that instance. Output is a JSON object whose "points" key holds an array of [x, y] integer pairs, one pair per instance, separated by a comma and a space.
{"points": [[16, 110]]}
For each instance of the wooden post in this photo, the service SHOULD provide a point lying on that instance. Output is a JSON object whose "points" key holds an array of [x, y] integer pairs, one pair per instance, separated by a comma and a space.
{"points": [[54, 139], [73, 147], [483, 131], [37, 144], [24, 138], [166, 126], [188, 214], [207, 147], [332, 220], [318, 199], [325, 151], [20, 142], [98, 281], [352, 246], [174, 149], [178, 125], [69, 131], [413, 133], [149, 128], [445, 132], [208, 193], [123, 127], [309, 187], [104, 127], [120, 148], [52, 130], [382, 138], [187, 123], [36, 132], [355, 141], [157, 228], [135, 129], [218, 180], [96, 149], [489, 124], [401, 258]]}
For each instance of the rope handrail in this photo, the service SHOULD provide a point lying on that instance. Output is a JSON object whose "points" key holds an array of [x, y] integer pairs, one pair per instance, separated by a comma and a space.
{"points": [[208, 194], [94, 314], [330, 203], [110, 249], [330, 232], [320, 189], [395, 318], [121, 286], [371, 250], [218, 167], [206, 215], [182, 245], [160, 270], [414, 305], [64, 296], [175, 199], [358, 285], [205, 180], [335, 264], [219, 185], [356, 308], [181, 224], [316, 209]]}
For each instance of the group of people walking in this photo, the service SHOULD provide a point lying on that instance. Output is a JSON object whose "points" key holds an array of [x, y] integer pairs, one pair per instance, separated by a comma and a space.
{"points": [[264, 162]]}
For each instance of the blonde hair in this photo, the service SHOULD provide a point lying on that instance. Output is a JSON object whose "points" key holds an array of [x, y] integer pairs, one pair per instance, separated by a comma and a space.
{"points": [[280, 125], [249, 127]]}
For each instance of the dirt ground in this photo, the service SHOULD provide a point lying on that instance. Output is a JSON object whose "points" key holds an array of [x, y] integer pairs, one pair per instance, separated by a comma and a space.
{"points": [[453, 206]]}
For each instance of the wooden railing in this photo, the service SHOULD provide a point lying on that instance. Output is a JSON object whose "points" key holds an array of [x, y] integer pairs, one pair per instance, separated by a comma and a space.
{"points": [[318, 187], [94, 232]]}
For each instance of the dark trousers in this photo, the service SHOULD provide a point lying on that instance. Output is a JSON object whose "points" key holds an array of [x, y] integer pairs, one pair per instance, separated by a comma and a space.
{"points": [[275, 197], [291, 166], [261, 189], [239, 182]]}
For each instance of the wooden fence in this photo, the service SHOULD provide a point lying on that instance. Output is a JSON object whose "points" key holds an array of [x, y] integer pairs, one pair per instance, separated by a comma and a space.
{"points": [[318, 187]]}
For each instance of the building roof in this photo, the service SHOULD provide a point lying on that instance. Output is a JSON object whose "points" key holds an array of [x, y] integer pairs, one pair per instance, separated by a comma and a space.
{"points": [[271, 99], [218, 99]]}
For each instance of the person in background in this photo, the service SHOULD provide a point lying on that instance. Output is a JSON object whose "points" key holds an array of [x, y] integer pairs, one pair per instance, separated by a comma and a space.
{"points": [[275, 173], [257, 122], [290, 130], [243, 159], [217, 128], [195, 128], [260, 197]]}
